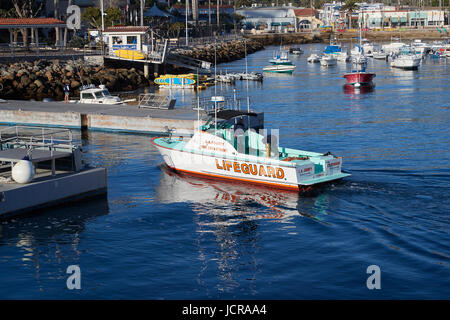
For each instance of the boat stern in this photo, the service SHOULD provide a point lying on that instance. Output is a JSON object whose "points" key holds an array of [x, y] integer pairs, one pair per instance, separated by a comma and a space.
{"points": [[325, 168]]}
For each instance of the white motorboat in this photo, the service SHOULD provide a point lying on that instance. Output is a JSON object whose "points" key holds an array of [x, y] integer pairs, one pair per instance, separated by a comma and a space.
{"points": [[279, 68], [98, 95], [420, 47], [281, 58], [295, 51], [230, 151], [254, 76], [393, 47], [380, 55], [335, 50], [368, 47], [225, 78], [313, 58], [328, 60], [406, 59]]}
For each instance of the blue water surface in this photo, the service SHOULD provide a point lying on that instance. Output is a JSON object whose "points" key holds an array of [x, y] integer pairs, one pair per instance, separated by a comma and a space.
{"points": [[158, 235]]}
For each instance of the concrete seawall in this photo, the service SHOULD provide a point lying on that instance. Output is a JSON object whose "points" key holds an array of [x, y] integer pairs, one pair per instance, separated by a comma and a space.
{"points": [[118, 118]]}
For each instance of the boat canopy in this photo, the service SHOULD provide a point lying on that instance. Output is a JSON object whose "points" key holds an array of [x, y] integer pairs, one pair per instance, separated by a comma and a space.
{"points": [[332, 49]]}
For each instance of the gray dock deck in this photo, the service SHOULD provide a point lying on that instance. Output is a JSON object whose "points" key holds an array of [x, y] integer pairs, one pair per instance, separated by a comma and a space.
{"points": [[63, 179], [48, 190], [125, 118]]}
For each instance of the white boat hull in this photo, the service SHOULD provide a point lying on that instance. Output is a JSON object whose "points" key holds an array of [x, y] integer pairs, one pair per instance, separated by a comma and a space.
{"points": [[406, 62], [216, 162], [280, 68], [327, 62]]}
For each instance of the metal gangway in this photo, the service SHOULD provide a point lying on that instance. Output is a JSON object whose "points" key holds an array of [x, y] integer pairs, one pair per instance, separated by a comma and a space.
{"points": [[188, 62], [155, 101], [161, 55]]}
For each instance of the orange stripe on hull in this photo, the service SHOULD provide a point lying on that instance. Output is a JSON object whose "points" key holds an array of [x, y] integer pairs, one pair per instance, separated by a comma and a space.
{"points": [[220, 177]]}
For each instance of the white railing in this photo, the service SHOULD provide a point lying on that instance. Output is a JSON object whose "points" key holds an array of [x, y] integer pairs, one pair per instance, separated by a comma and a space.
{"points": [[37, 137]]}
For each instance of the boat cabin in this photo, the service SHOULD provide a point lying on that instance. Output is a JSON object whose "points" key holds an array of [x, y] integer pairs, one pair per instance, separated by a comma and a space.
{"points": [[97, 95]]}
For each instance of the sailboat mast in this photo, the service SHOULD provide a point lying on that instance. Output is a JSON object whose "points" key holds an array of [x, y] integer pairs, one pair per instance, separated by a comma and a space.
{"points": [[246, 72]]}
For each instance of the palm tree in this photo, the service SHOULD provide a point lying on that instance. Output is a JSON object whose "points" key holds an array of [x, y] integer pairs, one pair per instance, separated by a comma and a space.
{"points": [[350, 6]]}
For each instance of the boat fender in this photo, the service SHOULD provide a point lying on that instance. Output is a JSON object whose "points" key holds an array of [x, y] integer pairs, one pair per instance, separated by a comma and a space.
{"points": [[23, 171]]}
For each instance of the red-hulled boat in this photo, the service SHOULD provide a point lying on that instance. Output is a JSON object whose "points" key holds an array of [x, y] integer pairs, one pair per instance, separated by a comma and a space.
{"points": [[358, 78]]}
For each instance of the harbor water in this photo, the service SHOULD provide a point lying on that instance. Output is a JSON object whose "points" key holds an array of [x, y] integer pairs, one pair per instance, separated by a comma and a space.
{"points": [[158, 235]]}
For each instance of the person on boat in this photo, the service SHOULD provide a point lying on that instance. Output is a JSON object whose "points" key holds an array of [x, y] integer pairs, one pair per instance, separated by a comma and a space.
{"points": [[240, 125], [66, 92]]}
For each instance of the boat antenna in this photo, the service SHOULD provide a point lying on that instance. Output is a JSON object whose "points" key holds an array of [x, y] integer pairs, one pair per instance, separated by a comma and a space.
{"points": [[198, 105], [215, 87]]}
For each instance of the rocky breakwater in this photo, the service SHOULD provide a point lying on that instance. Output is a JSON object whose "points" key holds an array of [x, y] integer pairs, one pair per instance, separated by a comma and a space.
{"points": [[45, 79], [225, 51]]}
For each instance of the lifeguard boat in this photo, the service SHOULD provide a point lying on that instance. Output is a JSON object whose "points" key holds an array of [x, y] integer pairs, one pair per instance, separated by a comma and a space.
{"points": [[231, 150]]}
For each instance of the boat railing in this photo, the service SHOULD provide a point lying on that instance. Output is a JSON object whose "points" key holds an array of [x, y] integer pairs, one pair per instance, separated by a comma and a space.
{"points": [[209, 104], [37, 138]]}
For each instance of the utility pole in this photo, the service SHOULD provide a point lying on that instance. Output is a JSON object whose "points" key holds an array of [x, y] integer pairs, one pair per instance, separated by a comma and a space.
{"points": [[195, 11], [218, 12], [187, 13], [56, 16], [142, 13], [103, 16], [209, 13], [103, 24]]}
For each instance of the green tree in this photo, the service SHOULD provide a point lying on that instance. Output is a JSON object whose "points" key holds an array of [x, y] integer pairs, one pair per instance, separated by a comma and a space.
{"points": [[113, 16], [93, 17], [175, 29]]}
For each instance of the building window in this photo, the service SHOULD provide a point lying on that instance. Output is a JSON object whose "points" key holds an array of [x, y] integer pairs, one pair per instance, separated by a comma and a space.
{"points": [[117, 40], [131, 40]]}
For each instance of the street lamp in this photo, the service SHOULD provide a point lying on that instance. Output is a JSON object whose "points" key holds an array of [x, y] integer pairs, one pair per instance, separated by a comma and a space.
{"points": [[187, 12]]}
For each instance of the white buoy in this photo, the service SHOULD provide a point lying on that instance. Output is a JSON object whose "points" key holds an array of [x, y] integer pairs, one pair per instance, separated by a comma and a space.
{"points": [[23, 171]]}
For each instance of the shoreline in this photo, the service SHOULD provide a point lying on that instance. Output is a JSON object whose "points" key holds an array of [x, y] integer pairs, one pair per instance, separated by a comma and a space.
{"points": [[44, 78]]}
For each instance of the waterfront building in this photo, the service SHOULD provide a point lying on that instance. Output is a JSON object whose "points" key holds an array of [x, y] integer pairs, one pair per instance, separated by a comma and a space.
{"points": [[205, 12], [307, 18], [393, 17], [269, 19], [128, 38], [331, 14]]}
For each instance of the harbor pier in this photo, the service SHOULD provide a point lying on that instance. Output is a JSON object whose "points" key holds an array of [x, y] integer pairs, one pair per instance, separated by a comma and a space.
{"points": [[115, 118]]}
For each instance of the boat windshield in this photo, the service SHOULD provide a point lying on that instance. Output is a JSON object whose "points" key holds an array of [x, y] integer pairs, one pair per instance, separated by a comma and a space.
{"points": [[98, 94], [106, 93]]}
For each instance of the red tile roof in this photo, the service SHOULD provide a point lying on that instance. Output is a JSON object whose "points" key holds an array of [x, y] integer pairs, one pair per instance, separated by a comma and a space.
{"points": [[213, 6], [127, 29], [29, 21], [307, 12]]}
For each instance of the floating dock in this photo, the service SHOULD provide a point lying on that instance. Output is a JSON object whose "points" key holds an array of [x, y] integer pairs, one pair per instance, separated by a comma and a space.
{"points": [[116, 118], [59, 175]]}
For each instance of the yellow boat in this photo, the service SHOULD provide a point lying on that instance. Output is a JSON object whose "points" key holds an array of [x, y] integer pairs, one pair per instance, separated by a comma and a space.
{"points": [[129, 54]]}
